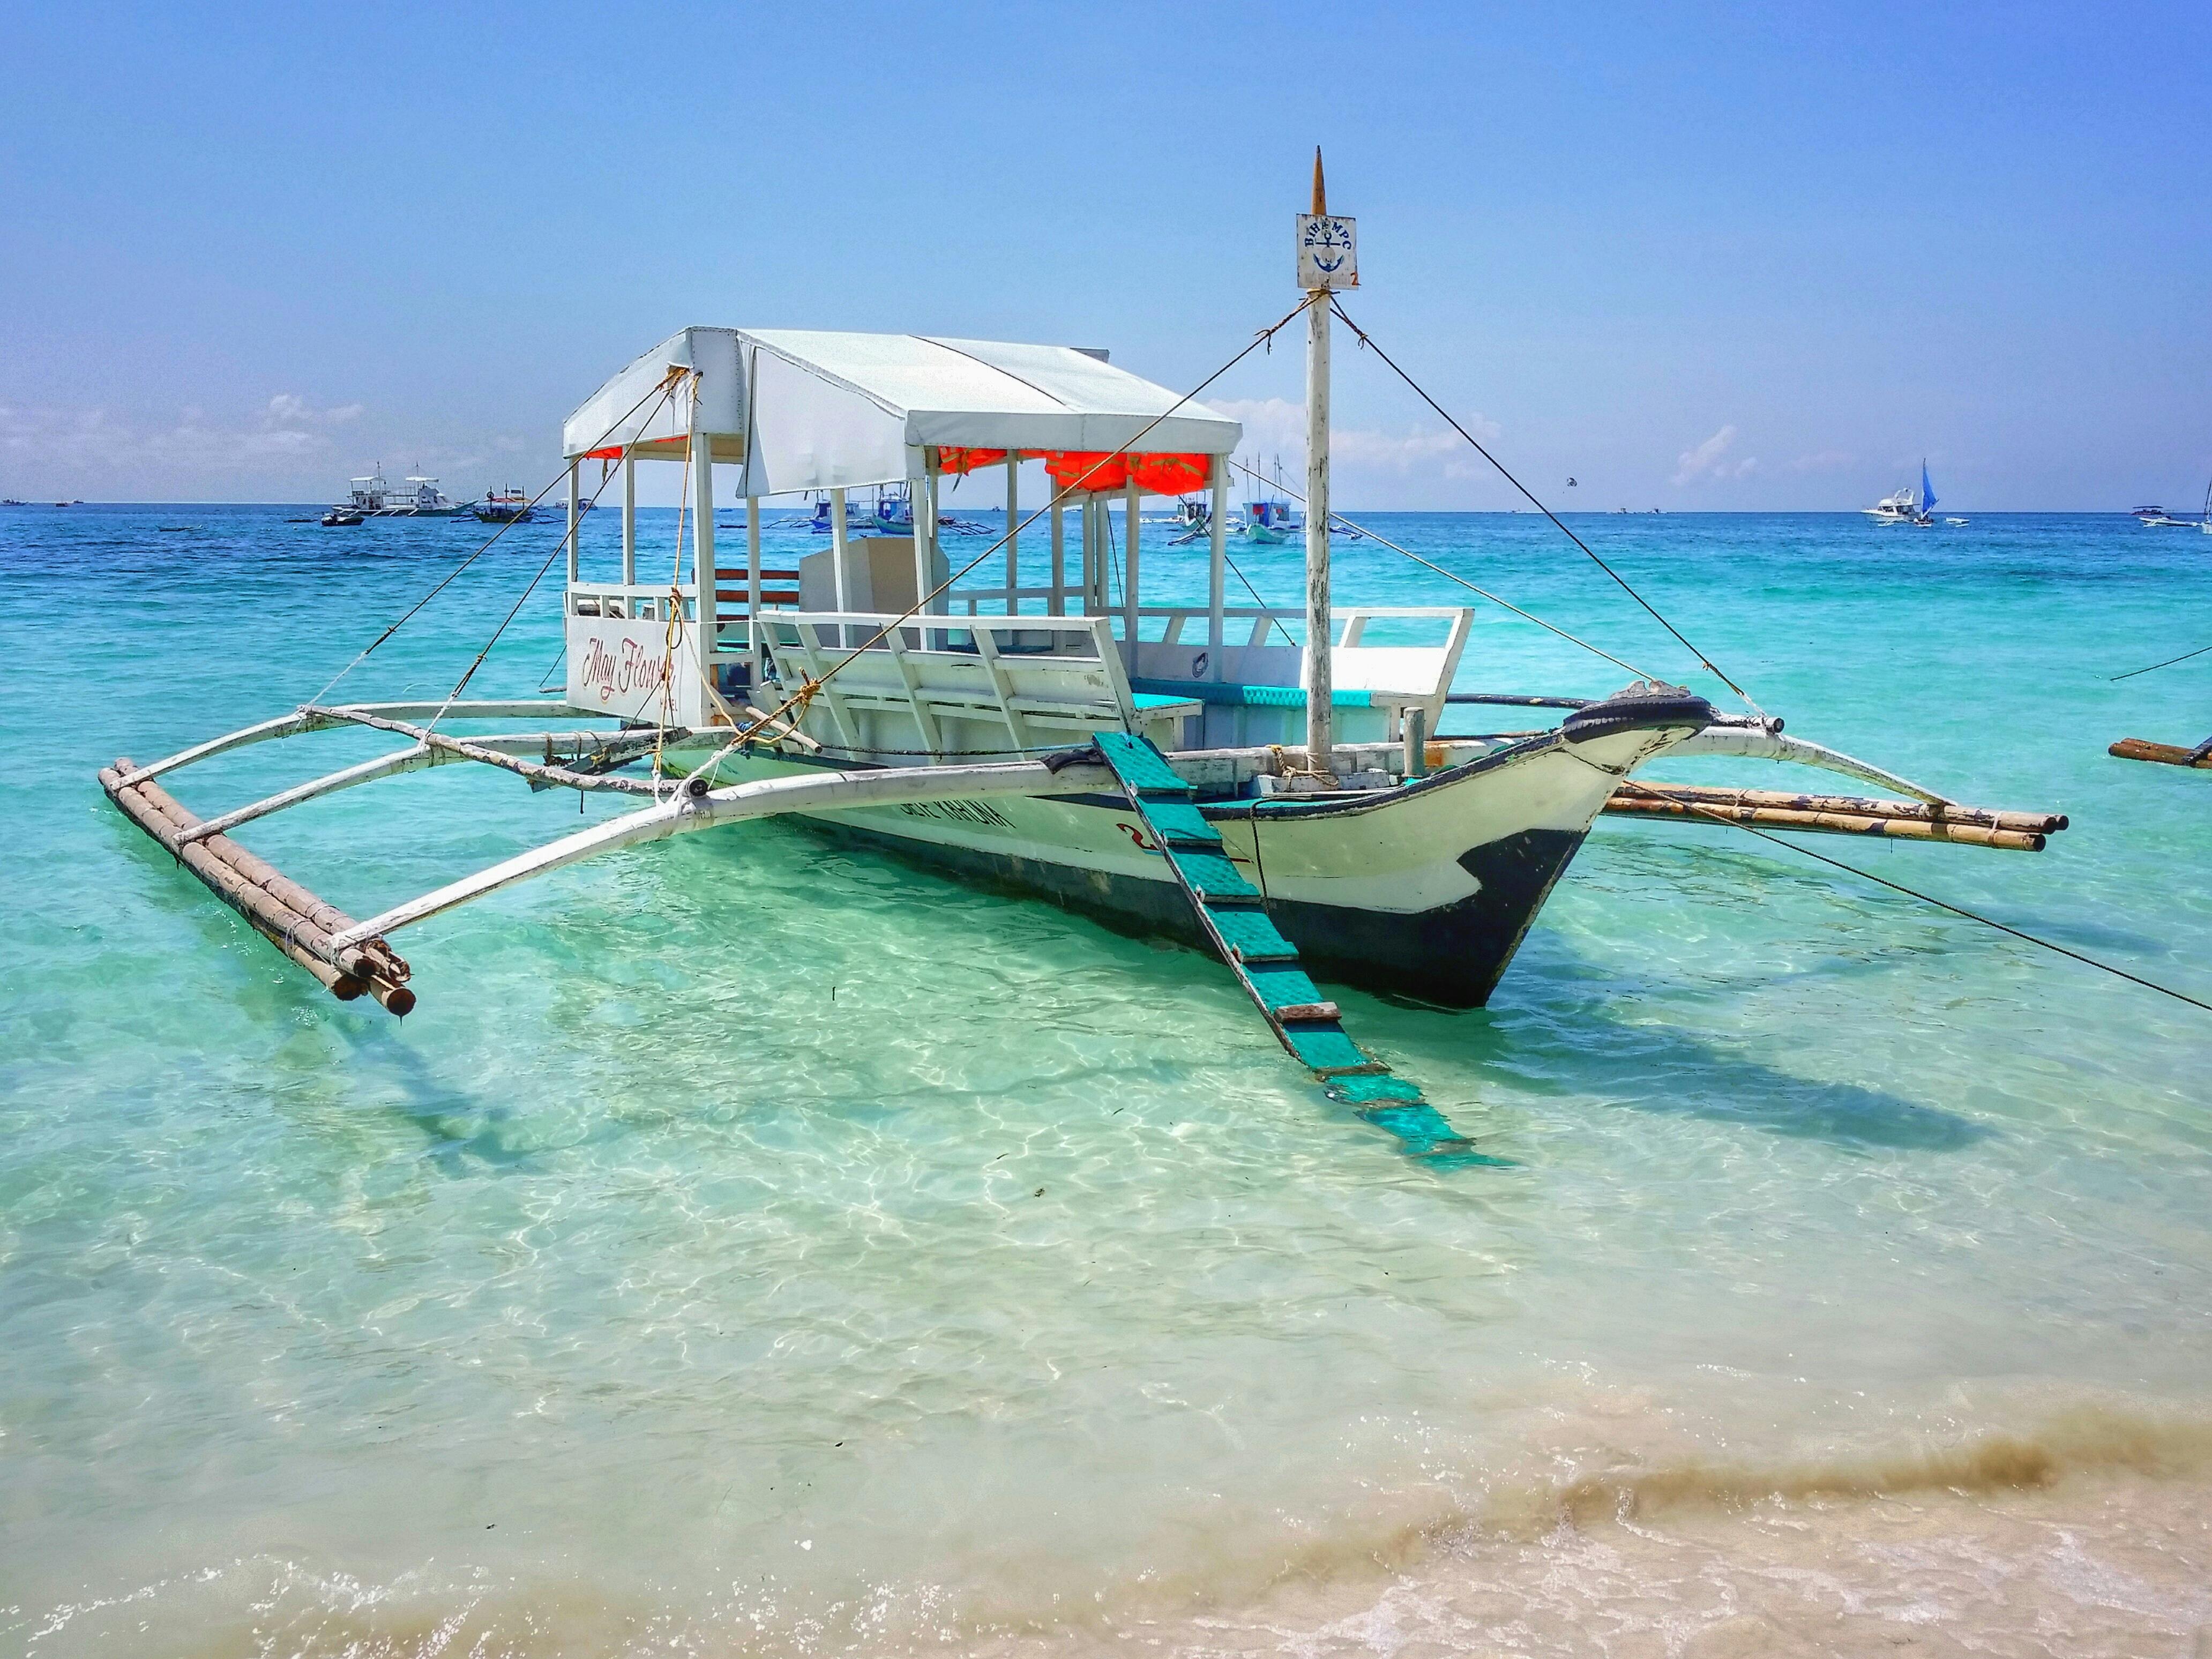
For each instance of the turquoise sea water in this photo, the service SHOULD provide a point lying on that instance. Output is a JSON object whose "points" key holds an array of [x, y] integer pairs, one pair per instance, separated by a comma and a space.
{"points": [[751, 1247]]}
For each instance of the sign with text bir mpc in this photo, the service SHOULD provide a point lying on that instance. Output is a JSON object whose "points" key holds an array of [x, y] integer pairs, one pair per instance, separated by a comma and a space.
{"points": [[1328, 251]]}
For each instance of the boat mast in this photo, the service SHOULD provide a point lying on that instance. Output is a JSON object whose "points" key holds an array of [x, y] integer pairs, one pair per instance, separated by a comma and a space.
{"points": [[1320, 675]]}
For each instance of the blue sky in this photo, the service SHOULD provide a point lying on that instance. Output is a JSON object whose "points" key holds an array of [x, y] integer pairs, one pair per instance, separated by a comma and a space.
{"points": [[1698, 257]]}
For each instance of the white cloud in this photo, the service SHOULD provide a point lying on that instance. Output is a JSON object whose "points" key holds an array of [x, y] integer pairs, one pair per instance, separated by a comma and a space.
{"points": [[76, 442], [1710, 459], [1276, 428], [71, 437], [289, 409], [1824, 460]]}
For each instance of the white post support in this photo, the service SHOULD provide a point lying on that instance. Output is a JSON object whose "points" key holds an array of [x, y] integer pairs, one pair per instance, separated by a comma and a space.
{"points": [[629, 519], [1217, 560], [840, 574], [1013, 535], [1058, 606], [1089, 553], [703, 573], [1131, 500], [1094, 524], [753, 634], [924, 491], [575, 515]]}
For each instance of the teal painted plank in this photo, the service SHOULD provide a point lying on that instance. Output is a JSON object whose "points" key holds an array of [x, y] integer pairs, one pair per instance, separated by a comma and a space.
{"points": [[1282, 985], [1326, 1047], [1140, 766], [1252, 933], [1214, 875], [1373, 1091], [1179, 821]]}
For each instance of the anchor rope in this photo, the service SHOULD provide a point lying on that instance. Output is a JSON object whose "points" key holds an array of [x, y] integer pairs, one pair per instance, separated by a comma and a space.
{"points": [[1376, 535], [1367, 342], [2168, 663], [504, 527], [1940, 904], [1263, 338]]}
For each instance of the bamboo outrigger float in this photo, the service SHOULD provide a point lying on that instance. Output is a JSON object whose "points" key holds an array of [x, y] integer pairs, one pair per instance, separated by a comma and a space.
{"points": [[1192, 769], [2163, 754]]}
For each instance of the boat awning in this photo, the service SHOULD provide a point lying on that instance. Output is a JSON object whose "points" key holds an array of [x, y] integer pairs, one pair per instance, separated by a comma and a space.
{"points": [[798, 409]]}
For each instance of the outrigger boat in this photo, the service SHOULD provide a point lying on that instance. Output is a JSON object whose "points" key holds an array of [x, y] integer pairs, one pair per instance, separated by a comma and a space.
{"points": [[508, 506], [1177, 768]]}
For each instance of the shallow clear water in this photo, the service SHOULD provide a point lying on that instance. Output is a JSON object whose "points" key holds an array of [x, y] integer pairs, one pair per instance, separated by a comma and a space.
{"points": [[748, 1246]]}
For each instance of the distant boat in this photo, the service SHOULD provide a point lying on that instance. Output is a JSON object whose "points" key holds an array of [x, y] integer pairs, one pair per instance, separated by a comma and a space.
{"points": [[508, 506], [11, 501], [858, 515], [1193, 518], [1272, 521], [2157, 518], [1908, 506], [374, 498], [342, 515], [893, 512]]}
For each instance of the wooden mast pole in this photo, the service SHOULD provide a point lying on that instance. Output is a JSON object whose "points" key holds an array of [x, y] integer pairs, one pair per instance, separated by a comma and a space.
{"points": [[1320, 671]]}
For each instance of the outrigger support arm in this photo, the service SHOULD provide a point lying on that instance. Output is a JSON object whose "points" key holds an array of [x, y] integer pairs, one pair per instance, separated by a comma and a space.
{"points": [[1758, 743], [311, 719], [812, 791], [599, 747]]}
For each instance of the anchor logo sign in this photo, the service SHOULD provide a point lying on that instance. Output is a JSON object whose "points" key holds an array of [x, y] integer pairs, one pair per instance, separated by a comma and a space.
{"points": [[1328, 251]]}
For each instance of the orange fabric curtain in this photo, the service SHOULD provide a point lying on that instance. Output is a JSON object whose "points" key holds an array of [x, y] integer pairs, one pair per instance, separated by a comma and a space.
{"points": [[1157, 474], [951, 459]]}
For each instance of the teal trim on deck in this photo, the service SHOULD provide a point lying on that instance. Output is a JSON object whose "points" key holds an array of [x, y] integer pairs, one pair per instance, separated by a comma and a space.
{"points": [[1248, 697]]}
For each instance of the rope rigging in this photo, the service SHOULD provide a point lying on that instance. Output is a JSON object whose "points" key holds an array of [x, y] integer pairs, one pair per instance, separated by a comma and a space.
{"points": [[676, 376], [506, 525], [1970, 915], [1942, 904], [1367, 342], [1376, 535]]}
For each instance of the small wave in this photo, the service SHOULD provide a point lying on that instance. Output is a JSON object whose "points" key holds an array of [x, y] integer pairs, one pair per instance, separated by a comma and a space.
{"points": [[2088, 1440]]}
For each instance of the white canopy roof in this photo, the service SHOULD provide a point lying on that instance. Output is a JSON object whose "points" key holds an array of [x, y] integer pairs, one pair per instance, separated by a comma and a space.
{"points": [[801, 410]]}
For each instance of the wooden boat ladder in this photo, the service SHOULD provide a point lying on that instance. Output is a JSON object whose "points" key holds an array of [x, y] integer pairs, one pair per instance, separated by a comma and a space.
{"points": [[1233, 914]]}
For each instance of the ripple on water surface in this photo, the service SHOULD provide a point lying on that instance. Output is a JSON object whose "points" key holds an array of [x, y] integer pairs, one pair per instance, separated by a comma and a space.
{"points": [[753, 1246]]}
